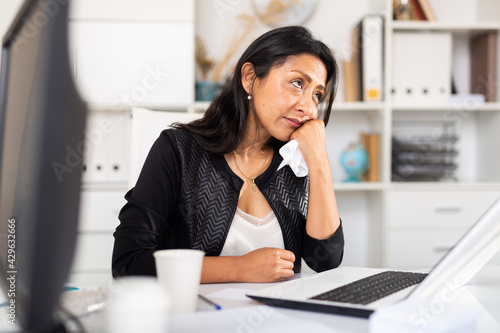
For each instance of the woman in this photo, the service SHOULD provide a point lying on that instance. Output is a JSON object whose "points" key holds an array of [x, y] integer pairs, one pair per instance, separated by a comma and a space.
{"points": [[213, 184]]}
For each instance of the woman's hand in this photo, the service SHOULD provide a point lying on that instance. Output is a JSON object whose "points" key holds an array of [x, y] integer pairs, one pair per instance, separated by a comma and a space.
{"points": [[266, 265], [312, 141], [322, 214]]}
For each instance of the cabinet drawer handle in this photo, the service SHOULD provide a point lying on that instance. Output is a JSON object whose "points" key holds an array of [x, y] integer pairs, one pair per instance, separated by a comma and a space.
{"points": [[447, 209], [442, 249]]}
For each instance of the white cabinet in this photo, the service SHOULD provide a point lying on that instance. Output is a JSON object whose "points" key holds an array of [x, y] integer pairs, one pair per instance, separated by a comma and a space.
{"points": [[107, 144], [159, 10], [104, 184], [419, 248], [134, 53], [422, 226], [109, 134], [125, 53], [124, 64], [437, 209], [99, 209]]}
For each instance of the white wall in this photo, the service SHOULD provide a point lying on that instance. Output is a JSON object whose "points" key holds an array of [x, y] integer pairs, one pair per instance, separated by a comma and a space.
{"points": [[8, 10], [466, 11]]}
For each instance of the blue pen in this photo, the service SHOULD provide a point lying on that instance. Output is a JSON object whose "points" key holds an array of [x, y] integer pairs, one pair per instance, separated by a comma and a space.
{"points": [[215, 305]]}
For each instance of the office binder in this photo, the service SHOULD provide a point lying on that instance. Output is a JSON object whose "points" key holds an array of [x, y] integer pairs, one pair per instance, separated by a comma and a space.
{"points": [[498, 67], [483, 73], [351, 81], [371, 57], [105, 148], [352, 76], [422, 68], [370, 142]]}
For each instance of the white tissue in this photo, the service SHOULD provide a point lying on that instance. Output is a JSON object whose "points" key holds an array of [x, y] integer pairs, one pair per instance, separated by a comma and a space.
{"points": [[293, 157]]}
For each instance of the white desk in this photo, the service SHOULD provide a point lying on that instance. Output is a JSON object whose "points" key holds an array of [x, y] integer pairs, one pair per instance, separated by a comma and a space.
{"points": [[241, 314]]}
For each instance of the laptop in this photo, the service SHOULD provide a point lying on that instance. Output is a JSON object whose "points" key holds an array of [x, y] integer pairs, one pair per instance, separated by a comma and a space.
{"points": [[361, 291]]}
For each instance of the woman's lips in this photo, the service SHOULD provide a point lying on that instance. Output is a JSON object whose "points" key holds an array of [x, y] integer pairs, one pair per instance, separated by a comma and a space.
{"points": [[294, 123]]}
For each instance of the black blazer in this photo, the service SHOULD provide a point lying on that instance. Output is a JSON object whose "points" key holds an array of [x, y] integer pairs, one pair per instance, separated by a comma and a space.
{"points": [[186, 197]]}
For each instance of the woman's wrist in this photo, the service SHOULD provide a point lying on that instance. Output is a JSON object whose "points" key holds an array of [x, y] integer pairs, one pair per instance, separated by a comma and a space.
{"points": [[319, 166], [237, 268], [220, 269]]}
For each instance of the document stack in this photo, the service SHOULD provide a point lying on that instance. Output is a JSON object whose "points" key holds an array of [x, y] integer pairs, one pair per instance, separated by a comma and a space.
{"points": [[424, 151]]}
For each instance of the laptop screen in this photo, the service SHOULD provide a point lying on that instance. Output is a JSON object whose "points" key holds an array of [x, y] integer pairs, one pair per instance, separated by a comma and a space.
{"points": [[479, 244]]}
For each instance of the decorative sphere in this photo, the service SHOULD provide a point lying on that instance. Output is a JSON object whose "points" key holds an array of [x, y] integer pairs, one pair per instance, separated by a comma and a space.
{"points": [[354, 160]]}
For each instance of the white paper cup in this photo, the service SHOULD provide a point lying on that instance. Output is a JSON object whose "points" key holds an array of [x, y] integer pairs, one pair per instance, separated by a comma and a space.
{"points": [[179, 273]]}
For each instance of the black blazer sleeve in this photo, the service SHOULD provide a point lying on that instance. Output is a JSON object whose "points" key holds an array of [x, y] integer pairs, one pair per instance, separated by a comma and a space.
{"points": [[148, 211], [324, 254]]}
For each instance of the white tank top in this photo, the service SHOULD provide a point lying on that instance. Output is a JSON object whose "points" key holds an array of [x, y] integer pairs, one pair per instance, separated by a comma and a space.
{"points": [[248, 233]]}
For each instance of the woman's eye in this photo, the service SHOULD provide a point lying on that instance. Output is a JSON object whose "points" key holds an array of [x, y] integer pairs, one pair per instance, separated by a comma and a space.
{"points": [[297, 84], [318, 96]]}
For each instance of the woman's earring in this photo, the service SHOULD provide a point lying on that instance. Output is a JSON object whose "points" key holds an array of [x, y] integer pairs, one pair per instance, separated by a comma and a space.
{"points": [[249, 97]]}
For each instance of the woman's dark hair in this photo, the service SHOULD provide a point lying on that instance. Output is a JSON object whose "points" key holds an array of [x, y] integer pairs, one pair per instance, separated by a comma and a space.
{"points": [[221, 128]]}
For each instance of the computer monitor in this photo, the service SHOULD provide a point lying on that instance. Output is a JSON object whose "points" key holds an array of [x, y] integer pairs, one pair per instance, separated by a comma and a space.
{"points": [[42, 121]]}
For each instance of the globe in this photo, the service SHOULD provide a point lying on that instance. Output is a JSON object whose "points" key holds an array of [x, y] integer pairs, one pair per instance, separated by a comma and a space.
{"points": [[354, 160], [279, 13]]}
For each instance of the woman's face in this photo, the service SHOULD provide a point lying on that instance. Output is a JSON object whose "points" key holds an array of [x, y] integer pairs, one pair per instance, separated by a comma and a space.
{"points": [[289, 95]]}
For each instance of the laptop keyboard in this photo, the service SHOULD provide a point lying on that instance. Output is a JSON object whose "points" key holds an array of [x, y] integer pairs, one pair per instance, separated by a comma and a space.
{"points": [[372, 288]]}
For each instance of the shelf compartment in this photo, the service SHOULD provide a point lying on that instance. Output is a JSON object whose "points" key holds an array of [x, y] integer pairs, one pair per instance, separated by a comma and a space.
{"points": [[477, 161], [361, 186], [448, 107], [455, 28], [358, 106], [344, 129], [424, 150], [445, 186]]}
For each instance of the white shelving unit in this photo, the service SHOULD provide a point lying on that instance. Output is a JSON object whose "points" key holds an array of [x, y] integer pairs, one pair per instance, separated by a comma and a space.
{"points": [[422, 220], [465, 28]]}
